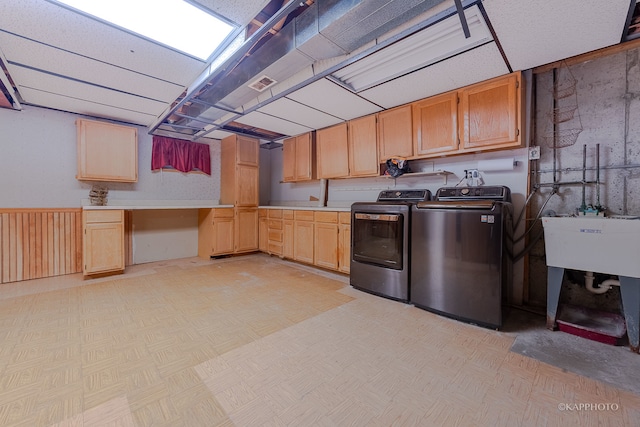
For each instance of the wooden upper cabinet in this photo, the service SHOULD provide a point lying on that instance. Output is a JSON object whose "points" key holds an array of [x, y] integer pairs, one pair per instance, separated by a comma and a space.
{"points": [[298, 158], [246, 186], [107, 152], [289, 160], [395, 133], [435, 124], [333, 152], [247, 151], [363, 147], [239, 175], [491, 113]]}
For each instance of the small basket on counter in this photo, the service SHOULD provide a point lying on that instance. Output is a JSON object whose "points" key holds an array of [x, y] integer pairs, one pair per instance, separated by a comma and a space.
{"points": [[98, 195]]}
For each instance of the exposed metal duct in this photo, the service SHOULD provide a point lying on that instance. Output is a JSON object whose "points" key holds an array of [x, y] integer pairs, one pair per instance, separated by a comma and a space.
{"points": [[327, 29]]}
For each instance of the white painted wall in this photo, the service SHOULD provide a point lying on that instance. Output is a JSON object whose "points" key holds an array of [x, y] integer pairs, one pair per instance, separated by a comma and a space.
{"points": [[38, 168]]}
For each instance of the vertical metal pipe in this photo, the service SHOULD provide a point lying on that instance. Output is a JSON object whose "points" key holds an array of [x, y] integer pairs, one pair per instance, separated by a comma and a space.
{"points": [[583, 208], [598, 206]]}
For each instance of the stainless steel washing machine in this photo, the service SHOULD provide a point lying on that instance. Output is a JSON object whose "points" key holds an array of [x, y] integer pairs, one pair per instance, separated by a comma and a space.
{"points": [[460, 265]]}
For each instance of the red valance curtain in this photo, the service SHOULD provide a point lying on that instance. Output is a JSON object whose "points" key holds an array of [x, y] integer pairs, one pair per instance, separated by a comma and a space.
{"points": [[182, 155]]}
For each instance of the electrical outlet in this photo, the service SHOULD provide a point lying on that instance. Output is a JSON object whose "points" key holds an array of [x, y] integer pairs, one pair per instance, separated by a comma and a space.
{"points": [[534, 153]]}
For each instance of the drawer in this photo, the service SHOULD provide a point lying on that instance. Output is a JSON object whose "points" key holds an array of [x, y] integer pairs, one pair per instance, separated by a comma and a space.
{"points": [[109, 215], [223, 213], [262, 213], [275, 248], [287, 214], [330, 217], [275, 213], [275, 224], [303, 215], [275, 236], [345, 217]]}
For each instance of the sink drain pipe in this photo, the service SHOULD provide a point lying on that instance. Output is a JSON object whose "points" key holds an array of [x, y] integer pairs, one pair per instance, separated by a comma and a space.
{"points": [[589, 279]]}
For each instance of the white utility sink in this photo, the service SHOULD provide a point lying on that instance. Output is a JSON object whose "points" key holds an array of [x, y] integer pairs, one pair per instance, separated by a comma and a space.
{"points": [[603, 245]]}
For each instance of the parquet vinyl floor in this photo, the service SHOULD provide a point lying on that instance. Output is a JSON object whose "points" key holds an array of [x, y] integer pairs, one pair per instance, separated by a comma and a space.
{"points": [[257, 341]]}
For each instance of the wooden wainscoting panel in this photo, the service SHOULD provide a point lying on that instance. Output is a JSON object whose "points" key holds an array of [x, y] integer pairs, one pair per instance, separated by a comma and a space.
{"points": [[39, 243]]}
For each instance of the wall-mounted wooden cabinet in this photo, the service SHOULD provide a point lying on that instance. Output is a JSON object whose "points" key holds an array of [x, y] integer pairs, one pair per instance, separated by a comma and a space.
{"points": [[395, 133], [333, 152], [215, 232], [435, 125], [348, 149], [363, 147], [106, 152], [491, 114], [239, 171], [299, 158], [103, 243]]}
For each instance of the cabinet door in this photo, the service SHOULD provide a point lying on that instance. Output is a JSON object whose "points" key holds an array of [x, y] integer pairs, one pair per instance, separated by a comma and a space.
{"points": [[491, 114], [344, 242], [363, 147], [305, 157], [247, 151], [222, 236], [107, 152], [103, 242], [246, 186], [394, 133], [263, 235], [326, 245], [333, 152], [289, 160], [287, 238], [303, 241], [435, 124], [246, 229]]}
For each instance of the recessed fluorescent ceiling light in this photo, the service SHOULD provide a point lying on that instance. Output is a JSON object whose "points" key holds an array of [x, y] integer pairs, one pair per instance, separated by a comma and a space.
{"points": [[174, 23]]}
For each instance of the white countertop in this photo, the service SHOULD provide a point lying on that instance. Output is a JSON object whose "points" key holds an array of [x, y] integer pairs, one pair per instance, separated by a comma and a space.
{"points": [[309, 208], [155, 204]]}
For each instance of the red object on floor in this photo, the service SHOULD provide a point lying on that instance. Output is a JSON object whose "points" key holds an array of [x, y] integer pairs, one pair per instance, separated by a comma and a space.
{"points": [[601, 326]]}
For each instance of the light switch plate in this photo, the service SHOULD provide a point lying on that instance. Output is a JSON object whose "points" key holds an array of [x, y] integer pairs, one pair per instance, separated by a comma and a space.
{"points": [[534, 153]]}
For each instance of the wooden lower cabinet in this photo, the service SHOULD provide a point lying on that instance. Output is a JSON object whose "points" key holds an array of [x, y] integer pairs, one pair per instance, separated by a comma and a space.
{"points": [[326, 240], [274, 232], [215, 232], [287, 234], [263, 231], [246, 229], [303, 244], [344, 242], [103, 243]]}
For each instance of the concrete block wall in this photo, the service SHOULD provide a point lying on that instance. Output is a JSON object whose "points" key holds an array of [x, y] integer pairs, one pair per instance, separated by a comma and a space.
{"points": [[607, 96]]}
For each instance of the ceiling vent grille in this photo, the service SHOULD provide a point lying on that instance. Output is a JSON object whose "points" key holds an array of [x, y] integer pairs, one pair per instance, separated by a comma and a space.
{"points": [[261, 83]]}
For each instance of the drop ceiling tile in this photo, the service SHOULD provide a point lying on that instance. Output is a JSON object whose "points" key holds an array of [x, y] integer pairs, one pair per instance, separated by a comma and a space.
{"points": [[299, 113], [479, 64], [534, 33], [33, 87], [81, 68], [274, 124], [85, 107], [59, 28], [333, 99]]}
